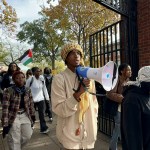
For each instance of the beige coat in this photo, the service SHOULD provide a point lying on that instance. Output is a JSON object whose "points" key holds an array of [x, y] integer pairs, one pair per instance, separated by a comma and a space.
{"points": [[67, 109]]}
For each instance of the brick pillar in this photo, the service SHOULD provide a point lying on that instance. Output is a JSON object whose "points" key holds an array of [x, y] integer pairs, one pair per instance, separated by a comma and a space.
{"points": [[144, 32]]}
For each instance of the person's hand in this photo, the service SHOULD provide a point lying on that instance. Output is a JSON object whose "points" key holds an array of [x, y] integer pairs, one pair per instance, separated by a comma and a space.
{"points": [[86, 84], [33, 121], [120, 98], [6, 130], [82, 89]]}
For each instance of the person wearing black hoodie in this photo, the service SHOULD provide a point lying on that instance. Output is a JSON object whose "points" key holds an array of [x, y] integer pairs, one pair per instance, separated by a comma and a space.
{"points": [[135, 123], [48, 81]]}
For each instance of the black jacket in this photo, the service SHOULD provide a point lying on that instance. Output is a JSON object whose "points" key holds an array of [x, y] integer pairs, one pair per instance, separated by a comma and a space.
{"points": [[135, 120], [6, 81], [48, 81]]}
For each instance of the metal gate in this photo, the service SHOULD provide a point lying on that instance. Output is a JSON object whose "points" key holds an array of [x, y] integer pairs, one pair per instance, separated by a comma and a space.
{"points": [[106, 46], [117, 42]]}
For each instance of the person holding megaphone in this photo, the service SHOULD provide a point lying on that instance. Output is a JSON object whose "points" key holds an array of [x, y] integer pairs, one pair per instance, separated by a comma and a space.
{"points": [[76, 109]]}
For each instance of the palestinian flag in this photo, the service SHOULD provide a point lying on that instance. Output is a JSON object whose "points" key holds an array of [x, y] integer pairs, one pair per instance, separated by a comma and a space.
{"points": [[26, 58]]}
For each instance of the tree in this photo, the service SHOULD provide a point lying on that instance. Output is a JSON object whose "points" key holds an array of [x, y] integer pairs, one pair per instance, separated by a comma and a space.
{"points": [[10, 52], [79, 18], [8, 17], [68, 21], [45, 39], [3, 53]]}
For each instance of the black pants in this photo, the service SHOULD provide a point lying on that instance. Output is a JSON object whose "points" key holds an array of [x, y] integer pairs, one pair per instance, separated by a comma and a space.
{"points": [[41, 109], [48, 109]]}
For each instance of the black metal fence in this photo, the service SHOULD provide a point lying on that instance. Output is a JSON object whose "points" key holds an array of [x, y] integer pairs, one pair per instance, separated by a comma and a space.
{"points": [[119, 6], [105, 121], [105, 45], [117, 42]]}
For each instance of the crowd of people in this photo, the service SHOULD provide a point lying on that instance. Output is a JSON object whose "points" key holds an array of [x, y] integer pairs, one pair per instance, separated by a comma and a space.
{"points": [[21, 94], [67, 96]]}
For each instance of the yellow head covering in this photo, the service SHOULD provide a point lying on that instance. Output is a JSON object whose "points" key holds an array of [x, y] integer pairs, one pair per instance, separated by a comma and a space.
{"points": [[68, 48], [84, 103]]}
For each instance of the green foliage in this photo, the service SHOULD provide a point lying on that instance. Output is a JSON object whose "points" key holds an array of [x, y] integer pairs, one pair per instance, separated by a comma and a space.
{"points": [[70, 20], [44, 37], [79, 18], [60, 66], [3, 53], [8, 16]]}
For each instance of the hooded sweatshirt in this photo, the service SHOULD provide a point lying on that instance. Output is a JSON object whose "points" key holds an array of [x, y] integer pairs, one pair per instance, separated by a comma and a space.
{"points": [[135, 121]]}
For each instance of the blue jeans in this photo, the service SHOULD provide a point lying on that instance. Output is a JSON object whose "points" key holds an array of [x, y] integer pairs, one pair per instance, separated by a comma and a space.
{"points": [[116, 132]]}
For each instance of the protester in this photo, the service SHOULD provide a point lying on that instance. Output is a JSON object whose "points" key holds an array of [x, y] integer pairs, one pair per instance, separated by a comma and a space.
{"points": [[116, 95], [18, 114], [48, 80], [1, 79], [29, 73], [136, 113], [76, 110], [39, 93], [7, 78]]}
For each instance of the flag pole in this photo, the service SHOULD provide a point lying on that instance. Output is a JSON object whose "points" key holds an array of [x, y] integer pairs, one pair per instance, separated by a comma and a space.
{"points": [[16, 60]]}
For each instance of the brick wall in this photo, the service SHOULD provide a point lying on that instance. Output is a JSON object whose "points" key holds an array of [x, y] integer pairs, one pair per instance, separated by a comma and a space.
{"points": [[144, 32]]}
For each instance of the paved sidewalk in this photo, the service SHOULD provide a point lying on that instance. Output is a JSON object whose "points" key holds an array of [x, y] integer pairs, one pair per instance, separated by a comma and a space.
{"points": [[49, 141]]}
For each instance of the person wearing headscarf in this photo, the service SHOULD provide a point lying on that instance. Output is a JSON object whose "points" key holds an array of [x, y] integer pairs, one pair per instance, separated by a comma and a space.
{"points": [[18, 114], [135, 122], [76, 110]]}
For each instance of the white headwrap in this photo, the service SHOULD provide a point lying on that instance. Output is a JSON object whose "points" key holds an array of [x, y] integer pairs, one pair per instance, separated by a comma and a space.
{"points": [[143, 76]]}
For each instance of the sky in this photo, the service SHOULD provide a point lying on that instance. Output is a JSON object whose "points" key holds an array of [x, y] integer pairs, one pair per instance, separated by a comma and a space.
{"points": [[27, 10]]}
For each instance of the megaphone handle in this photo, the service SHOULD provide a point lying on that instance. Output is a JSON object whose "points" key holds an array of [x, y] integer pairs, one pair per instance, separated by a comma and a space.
{"points": [[96, 94], [77, 90], [81, 83], [91, 92]]}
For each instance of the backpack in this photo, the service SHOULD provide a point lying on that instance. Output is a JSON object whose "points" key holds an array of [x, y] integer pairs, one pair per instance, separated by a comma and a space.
{"points": [[32, 79]]}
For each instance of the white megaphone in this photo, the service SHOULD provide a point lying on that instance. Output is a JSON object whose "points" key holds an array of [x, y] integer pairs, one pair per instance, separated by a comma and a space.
{"points": [[107, 75]]}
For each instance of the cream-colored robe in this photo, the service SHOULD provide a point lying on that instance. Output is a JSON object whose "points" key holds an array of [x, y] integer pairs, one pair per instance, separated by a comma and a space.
{"points": [[65, 106]]}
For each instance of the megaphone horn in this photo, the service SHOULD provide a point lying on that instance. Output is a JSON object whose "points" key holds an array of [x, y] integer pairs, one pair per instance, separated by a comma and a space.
{"points": [[107, 75]]}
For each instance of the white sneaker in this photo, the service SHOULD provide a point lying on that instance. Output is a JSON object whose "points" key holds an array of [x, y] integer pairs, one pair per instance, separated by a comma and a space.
{"points": [[46, 131]]}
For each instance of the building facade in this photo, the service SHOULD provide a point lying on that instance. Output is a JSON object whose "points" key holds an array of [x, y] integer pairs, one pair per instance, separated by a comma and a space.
{"points": [[143, 21]]}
